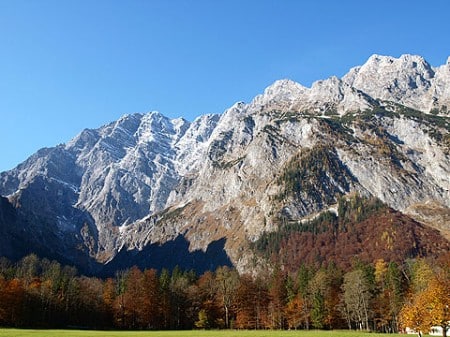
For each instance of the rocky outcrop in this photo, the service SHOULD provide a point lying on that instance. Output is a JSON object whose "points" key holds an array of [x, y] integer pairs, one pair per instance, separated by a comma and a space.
{"points": [[408, 80]]}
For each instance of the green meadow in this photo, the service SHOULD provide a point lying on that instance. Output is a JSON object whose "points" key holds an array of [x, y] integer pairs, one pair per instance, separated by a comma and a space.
{"points": [[190, 333]]}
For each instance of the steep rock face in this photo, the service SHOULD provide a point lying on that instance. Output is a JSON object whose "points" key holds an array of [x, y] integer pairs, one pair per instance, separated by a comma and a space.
{"points": [[309, 162], [146, 180], [106, 178], [441, 89]]}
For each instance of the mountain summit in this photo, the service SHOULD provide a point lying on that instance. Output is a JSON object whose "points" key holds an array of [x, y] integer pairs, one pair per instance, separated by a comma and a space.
{"points": [[145, 185]]}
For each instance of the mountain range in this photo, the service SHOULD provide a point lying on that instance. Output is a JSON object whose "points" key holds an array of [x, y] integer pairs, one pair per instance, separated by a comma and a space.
{"points": [[159, 192]]}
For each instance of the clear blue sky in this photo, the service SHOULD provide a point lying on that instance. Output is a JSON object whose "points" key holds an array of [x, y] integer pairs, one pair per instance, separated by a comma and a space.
{"points": [[66, 65]]}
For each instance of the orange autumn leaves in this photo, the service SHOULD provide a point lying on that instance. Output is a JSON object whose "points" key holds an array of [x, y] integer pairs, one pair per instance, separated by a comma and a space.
{"points": [[429, 306]]}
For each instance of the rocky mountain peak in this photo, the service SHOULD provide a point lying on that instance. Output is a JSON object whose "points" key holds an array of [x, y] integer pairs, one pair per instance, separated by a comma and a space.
{"points": [[407, 80], [280, 91]]}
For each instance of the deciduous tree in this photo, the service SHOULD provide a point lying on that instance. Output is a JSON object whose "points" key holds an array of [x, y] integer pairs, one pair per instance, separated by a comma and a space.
{"points": [[356, 296], [429, 307], [294, 312], [227, 282]]}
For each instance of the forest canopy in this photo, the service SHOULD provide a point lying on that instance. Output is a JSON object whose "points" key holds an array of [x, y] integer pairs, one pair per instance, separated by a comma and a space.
{"points": [[382, 296]]}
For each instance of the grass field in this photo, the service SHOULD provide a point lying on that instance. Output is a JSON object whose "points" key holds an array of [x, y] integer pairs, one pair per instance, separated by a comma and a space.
{"points": [[194, 333]]}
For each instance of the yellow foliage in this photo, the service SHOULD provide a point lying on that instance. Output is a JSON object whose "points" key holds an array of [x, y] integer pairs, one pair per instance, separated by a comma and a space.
{"points": [[380, 270], [428, 307]]}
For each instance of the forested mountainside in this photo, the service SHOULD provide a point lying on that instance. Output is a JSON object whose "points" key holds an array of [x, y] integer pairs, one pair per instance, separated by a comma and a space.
{"points": [[364, 232]]}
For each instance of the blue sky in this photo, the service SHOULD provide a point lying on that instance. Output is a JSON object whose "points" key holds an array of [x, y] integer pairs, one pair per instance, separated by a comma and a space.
{"points": [[75, 64]]}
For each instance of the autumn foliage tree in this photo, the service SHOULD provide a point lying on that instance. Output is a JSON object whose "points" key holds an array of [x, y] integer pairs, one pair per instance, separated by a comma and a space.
{"points": [[251, 303], [389, 282], [429, 307], [277, 299], [294, 312]]}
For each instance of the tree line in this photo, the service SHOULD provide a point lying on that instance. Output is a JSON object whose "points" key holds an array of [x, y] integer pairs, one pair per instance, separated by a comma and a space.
{"points": [[382, 296]]}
